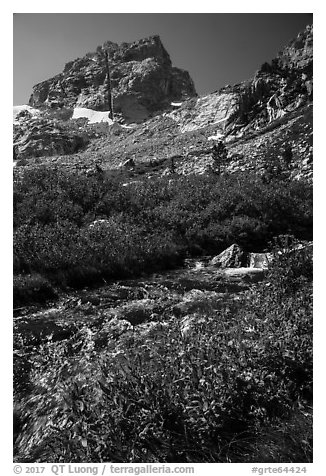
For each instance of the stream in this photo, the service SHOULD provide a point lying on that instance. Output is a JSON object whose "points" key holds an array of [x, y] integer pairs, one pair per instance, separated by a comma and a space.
{"points": [[177, 292]]}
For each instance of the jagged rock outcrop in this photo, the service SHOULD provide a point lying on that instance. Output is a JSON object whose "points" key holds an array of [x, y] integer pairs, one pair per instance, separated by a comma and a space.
{"points": [[257, 119], [216, 108], [40, 137], [298, 53], [232, 257], [276, 89], [236, 257], [265, 147], [143, 81]]}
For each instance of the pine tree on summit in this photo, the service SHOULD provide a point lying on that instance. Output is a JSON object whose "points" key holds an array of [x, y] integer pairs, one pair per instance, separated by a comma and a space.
{"points": [[104, 56], [108, 85]]}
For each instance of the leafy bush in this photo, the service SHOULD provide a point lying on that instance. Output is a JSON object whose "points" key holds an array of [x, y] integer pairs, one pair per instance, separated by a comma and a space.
{"points": [[149, 224], [208, 396], [32, 288]]}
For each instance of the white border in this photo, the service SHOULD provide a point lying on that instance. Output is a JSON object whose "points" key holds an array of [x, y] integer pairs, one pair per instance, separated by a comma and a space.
{"points": [[276, 6]]}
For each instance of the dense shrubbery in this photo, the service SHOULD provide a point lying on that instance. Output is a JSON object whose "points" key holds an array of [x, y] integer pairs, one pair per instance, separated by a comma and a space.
{"points": [[148, 224], [241, 374], [29, 288], [205, 397]]}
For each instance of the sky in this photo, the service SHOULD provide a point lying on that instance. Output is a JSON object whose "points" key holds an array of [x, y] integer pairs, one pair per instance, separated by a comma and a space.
{"points": [[216, 48]]}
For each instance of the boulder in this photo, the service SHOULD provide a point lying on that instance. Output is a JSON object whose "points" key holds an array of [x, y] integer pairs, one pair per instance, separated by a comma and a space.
{"points": [[41, 137], [260, 260], [232, 257], [136, 312]]}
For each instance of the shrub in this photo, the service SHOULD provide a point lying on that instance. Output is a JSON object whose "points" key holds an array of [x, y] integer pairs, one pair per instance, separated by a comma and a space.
{"points": [[149, 224], [205, 397], [31, 289]]}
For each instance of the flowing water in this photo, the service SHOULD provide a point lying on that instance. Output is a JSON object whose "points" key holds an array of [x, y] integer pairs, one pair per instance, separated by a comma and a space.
{"points": [[136, 300]]}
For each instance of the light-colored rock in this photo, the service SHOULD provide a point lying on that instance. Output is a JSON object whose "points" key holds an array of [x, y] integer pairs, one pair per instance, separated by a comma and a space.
{"points": [[260, 260], [232, 257], [40, 137], [214, 108]]}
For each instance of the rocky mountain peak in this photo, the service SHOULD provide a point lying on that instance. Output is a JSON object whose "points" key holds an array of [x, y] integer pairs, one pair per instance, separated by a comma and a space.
{"points": [[143, 81], [253, 117], [299, 52], [150, 47]]}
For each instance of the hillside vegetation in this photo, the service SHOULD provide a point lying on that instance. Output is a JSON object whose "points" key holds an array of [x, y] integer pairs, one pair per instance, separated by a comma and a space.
{"points": [[236, 388], [75, 230], [131, 344]]}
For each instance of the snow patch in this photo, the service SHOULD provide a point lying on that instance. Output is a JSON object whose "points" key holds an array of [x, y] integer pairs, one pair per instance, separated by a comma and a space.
{"points": [[221, 120], [24, 107], [91, 115], [218, 136]]}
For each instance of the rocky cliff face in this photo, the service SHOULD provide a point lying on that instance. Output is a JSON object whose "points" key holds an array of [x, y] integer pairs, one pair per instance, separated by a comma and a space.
{"points": [[255, 118], [299, 52], [143, 81], [36, 136], [276, 89], [279, 87]]}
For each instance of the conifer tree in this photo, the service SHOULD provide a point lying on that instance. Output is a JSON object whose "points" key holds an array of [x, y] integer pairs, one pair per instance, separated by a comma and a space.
{"points": [[219, 155], [108, 85]]}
